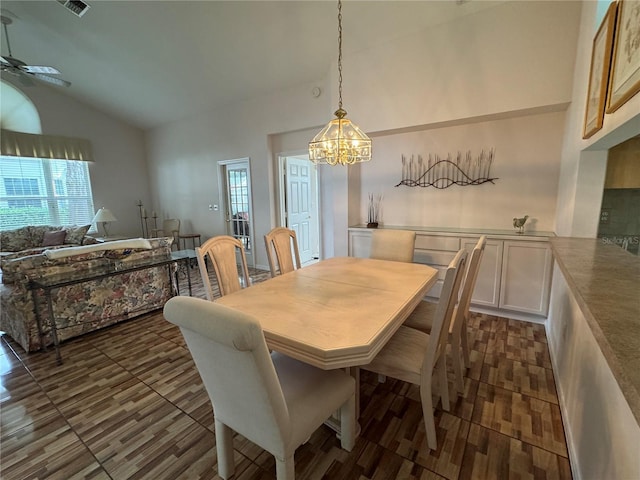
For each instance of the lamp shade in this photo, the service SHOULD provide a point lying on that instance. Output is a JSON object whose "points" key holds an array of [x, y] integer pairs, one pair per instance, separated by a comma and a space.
{"points": [[104, 215]]}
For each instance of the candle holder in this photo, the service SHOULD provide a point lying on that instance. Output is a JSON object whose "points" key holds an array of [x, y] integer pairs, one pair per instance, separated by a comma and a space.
{"points": [[140, 210]]}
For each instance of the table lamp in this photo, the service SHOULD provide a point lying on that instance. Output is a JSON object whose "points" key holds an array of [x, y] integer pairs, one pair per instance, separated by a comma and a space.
{"points": [[104, 216]]}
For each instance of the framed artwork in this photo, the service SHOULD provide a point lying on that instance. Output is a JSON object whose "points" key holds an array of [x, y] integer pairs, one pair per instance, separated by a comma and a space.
{"points": [[625, 74], [599, 73]]}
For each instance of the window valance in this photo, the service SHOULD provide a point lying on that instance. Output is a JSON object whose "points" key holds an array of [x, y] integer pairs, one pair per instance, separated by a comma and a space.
{"points": [[19, 144]]}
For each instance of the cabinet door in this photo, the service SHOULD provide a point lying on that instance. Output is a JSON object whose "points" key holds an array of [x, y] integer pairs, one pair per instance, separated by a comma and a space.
{"points": [[359, 244], [487, 290], [526, 277]]}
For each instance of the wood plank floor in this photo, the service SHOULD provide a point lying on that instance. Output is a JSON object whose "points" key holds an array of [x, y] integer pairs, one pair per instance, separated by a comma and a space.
{"points": [[128, 403]]}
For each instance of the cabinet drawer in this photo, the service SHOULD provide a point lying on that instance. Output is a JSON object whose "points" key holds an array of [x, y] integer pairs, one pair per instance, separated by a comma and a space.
{"points": [[436, 242]]}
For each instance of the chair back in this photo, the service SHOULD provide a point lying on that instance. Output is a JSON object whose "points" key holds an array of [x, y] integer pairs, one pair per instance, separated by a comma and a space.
{"points": [[284, 243], [471, 276], [394, 245], [171, 228], [221, 252], [448, 298], [231, 355]]}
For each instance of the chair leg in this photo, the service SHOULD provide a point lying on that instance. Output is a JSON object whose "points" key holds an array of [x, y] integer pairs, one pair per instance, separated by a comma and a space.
{"points": [[443, 384], [224, 448], [464, 334], [427, 414], [285, 468], [348, 424], [456, 358]]}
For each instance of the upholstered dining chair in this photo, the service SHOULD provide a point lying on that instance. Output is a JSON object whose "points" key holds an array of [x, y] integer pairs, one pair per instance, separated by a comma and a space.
{"points": [[284, 243], [414, 356], [222, 251], [423, 316], [273, 400], [394, 245]]}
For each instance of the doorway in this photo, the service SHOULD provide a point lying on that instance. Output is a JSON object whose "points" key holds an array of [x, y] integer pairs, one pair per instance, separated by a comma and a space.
{"points": [[236, 187], [299, 203]]}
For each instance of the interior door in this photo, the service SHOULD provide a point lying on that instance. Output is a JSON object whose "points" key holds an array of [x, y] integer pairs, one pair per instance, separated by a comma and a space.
{"points": [[301, 205]]}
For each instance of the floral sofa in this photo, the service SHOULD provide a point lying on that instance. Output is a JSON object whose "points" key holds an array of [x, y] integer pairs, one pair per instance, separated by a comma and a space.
{"points": [[87, 306]]}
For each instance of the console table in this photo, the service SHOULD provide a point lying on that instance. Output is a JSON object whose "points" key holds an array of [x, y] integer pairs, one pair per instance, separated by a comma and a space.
{"points": [[118, 267]]}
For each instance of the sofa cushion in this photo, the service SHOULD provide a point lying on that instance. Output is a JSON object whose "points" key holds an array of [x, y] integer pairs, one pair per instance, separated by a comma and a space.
{"points": [[16, 240], [54, 238], [75, 234]]}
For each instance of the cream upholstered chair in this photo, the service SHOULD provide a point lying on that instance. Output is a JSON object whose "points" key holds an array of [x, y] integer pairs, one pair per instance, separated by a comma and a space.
{"points": [[423, 316], [282, 241], [414, 356], [273, 400], [170, 228], [221, 252], [395, 245]]}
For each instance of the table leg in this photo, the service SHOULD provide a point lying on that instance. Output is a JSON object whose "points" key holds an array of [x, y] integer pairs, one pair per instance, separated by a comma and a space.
{"points": [[54, 329], [188, 268], [36, 308]]}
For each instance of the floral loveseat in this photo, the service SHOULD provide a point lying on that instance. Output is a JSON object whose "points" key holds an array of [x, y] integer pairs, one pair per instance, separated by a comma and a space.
{"points": [[87, 306]]}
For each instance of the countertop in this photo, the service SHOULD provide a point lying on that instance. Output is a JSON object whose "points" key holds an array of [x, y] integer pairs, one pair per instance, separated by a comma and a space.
{"points": [[605, 280], [491, 233]]}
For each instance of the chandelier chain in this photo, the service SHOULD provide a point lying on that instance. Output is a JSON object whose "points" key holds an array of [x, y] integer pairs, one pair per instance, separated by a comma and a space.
{"points": [[339, 54]]}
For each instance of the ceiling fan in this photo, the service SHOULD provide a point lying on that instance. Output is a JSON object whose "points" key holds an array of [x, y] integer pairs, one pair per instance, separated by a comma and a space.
{"points": [[26, 72]]}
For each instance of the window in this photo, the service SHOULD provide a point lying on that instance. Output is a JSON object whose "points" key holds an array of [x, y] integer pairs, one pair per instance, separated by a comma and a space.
{"points": [[34, 191]]}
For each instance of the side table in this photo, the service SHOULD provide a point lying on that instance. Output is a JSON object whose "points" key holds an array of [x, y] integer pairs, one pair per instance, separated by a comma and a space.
{"points": [[186, 236]]}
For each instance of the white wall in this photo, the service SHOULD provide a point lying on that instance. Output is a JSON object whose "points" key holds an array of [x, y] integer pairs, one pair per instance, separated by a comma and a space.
{"points": [[119, 174], [184, 156], [526, 164], [511, 57]]}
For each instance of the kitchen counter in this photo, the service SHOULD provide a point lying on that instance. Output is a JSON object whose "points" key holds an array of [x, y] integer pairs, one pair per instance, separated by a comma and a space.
{"points": [[605, 281]]}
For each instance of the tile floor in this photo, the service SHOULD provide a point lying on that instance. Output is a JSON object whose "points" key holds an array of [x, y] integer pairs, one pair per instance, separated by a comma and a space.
{"points": [[128, 403]]}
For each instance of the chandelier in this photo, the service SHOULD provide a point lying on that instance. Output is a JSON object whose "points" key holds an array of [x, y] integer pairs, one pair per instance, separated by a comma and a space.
{"points": [[340, 142]]}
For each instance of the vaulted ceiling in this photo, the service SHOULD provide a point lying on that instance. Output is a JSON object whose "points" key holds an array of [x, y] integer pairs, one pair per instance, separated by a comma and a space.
{"points": [[151, 62]]}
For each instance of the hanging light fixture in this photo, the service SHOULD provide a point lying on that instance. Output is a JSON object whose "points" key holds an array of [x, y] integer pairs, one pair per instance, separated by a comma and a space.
{"points": [[340, 142]]}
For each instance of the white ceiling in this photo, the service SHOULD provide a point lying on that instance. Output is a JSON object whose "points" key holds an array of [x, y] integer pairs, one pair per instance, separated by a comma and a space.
{"points": [[150, 62]]}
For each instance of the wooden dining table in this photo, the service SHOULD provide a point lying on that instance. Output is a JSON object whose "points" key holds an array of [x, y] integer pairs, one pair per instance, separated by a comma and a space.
{"points": [[337, 313]]}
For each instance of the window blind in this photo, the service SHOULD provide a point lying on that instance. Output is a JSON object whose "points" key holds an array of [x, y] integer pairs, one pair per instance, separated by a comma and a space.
{"points": [[19, 144]]}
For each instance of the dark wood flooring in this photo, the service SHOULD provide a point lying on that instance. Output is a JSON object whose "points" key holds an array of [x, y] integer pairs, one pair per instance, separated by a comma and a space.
{"points": [[128, 403]]}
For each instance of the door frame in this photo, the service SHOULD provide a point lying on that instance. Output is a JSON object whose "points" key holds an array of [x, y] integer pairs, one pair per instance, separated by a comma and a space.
{"points": [[281, 192], [224, 194]]}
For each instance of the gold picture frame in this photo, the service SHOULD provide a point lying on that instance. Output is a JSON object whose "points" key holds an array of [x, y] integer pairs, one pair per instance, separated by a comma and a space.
{"points": [[625, 73], [599, 73]]}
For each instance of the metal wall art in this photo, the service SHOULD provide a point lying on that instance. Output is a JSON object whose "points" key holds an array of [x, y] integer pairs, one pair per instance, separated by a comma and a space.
{"points": [[443, 172]]}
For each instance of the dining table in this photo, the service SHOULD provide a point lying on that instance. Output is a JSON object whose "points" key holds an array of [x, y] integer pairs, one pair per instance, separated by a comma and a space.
{"points": [[338, 312]]}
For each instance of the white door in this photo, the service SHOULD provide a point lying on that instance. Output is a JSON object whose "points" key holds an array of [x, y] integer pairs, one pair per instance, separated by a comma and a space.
{"points": [[301, 205]]}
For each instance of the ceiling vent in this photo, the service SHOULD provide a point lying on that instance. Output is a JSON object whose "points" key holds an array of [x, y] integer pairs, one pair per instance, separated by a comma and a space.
{"points": [[77, 7]]}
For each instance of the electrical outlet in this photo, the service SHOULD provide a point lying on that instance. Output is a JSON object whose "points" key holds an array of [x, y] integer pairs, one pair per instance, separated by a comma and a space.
{"points": [[215, 208]]}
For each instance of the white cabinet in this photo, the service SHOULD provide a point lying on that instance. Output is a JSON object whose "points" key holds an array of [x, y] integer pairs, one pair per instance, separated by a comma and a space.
{"points": [[526, 277], [514, 276]]}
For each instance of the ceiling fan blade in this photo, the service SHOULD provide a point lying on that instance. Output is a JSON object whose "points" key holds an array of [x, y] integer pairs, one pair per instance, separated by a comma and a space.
{"points": [[41, 69], [4, 61], [54, 80]]}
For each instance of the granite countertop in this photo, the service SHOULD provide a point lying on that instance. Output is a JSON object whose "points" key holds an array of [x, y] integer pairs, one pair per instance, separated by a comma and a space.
{"points": [[605, 280]]}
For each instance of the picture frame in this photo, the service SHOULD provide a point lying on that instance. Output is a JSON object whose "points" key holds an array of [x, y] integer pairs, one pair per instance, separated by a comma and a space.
{"points": [[599, 73], [625, 72]]}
